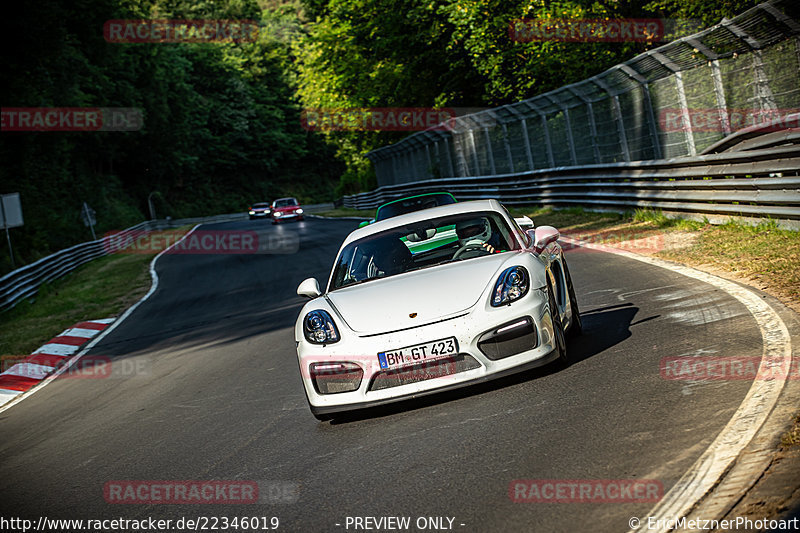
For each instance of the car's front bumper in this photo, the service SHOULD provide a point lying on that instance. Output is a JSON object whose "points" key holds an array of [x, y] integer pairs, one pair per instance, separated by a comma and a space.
{"points": [[287, 216], [468, 329]]}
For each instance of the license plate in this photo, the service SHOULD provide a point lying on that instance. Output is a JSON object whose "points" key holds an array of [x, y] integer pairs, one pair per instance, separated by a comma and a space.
{"points": [[411, 355]]}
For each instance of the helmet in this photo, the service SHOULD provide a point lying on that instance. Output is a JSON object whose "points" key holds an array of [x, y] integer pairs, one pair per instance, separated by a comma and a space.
{"points": [[390, 255], [476, 230]]}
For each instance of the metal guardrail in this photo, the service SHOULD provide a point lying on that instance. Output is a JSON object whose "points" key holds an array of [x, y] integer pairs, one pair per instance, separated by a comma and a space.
{"points": [[754, 183], [24, 282]]}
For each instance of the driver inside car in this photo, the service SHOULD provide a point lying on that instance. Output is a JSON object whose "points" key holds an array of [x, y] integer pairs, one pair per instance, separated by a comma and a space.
{"points": [[478, 232]]}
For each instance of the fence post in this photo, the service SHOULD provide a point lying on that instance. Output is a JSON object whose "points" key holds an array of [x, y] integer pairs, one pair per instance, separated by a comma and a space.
{"points": [[489, 151], [687, 120], [623, 138], [449, 156], [716, 79], [763, 93], [592, 124], [525, 138], [548, 145], [652, 125], [570, 139], [474, 150], [508, 148]]}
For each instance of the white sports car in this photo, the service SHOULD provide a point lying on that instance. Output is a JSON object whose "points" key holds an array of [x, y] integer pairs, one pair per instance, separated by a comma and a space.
{"points": [[433, 300]]}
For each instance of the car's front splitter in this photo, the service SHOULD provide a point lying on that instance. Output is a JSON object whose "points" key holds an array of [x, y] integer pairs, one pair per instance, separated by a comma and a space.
{"points": [[331, 409]]}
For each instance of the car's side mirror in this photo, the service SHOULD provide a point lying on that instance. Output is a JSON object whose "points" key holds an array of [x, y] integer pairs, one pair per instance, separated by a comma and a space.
{"points": [[542, 236], [364, 223], [309, 288]]}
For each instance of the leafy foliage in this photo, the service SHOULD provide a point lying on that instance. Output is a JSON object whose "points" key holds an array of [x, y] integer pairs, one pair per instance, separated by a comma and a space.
{"points": [[221, 122]]}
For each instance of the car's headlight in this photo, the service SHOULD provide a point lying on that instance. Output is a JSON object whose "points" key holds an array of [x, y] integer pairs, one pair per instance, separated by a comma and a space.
{"points": [[277, 213], [512, 285], [252, 212], [299, 211], [318, 328]]}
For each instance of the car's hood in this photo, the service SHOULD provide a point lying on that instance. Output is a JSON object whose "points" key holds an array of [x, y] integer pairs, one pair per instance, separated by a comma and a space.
{"points": [[287, 208], [431, 294]]}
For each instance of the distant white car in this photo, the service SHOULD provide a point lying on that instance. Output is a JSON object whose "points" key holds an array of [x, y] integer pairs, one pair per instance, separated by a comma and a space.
{"points": [[259, 210], [433, 300]]}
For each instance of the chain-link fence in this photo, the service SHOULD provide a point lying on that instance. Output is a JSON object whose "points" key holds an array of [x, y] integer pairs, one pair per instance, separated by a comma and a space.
{"points": [[676, 100]]}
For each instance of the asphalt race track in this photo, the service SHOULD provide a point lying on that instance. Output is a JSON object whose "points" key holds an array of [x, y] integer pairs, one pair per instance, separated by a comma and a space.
{"points": [[216, 395]]}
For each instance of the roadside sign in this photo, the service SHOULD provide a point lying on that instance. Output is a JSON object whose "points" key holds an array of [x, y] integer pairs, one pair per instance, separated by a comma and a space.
{"points": [[89, 219], [10, 217], [88, 215], [11, 211]]}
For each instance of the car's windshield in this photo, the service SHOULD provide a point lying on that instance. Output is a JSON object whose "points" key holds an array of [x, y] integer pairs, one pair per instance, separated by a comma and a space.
{"points": [[421, 245], [260, 205], [409, 205], [286, 202]]}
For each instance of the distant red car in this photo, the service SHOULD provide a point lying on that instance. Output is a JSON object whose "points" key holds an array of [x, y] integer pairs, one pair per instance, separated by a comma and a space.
{"points": [[286, 209]]}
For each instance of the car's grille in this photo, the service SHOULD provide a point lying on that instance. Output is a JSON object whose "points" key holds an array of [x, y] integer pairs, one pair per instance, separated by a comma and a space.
{"points": [[423, 372]]}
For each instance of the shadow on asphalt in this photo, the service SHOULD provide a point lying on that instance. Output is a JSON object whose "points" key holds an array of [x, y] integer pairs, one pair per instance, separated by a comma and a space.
{"points": [[602, 329]]}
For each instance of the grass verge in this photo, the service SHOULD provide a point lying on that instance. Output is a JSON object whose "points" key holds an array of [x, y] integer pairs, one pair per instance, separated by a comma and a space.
{"points": [[102, 288], [763, 256], [792, 437]]}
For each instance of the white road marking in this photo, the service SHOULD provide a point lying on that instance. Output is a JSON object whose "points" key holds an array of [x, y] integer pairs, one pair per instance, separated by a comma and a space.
{"points": [[114, 323], [57, 349], [80, 332], [7, 394], [711, 467], [28, 370]]}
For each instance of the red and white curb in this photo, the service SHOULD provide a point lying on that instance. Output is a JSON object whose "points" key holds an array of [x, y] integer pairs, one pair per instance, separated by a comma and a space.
{"points": [[29, 372]]}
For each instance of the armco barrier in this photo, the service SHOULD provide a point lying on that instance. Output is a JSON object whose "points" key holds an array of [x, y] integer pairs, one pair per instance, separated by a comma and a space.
{"points": [[25, 281], [757, 183]]}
